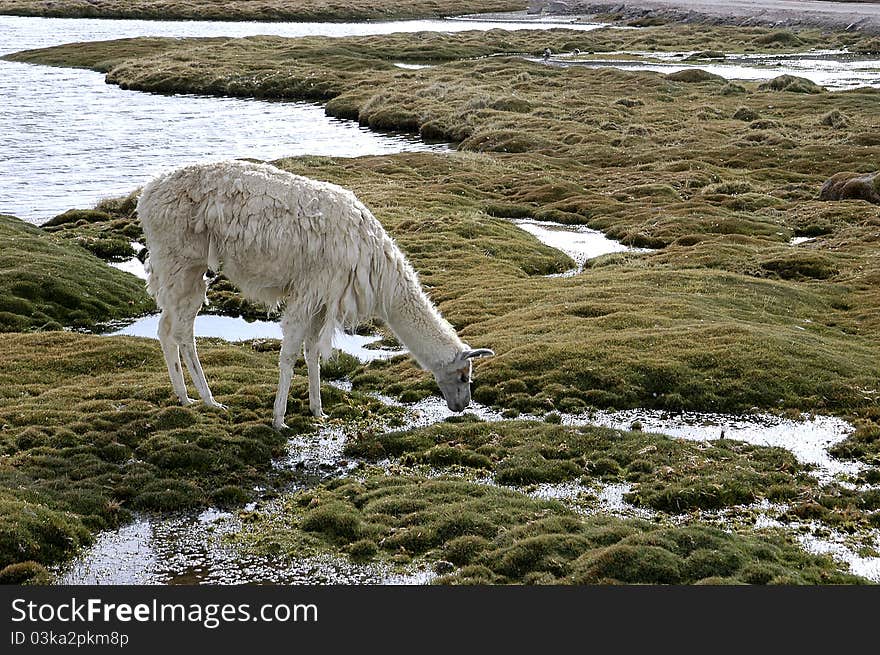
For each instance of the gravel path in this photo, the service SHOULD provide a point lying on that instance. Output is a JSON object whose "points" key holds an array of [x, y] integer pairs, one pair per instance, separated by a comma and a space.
{"points": [[863, 16]]}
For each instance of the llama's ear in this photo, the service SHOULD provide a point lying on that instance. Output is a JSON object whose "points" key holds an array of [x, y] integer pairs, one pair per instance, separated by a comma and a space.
{"points": [[475, 354]]}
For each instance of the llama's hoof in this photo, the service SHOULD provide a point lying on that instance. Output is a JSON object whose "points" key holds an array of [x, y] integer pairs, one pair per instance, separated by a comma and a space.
{"points": [[319, 416], [280, 426], [188, 401], [215, 405]]}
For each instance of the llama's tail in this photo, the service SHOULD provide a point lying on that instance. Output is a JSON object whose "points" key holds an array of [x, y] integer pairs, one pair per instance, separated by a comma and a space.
{"points": [[152, 279]]}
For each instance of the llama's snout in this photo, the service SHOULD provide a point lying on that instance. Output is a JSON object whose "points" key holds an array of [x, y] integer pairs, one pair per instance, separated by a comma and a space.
{"points": [[457, 404], [457, 395]]}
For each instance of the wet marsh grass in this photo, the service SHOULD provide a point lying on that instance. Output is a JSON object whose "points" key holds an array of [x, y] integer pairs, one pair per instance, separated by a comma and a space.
{"points": [[91, 433], [487, 535], [669, 475], [675, 479]]}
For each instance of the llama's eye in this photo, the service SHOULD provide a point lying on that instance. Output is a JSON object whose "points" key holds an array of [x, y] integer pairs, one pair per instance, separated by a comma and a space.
{"points": [[463, 379]]}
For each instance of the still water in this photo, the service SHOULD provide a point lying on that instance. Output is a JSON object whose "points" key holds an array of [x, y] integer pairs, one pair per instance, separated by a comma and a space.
{"points": [[68, 139]]}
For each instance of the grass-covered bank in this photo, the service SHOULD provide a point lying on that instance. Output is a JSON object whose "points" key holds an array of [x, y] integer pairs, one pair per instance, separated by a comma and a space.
{"points": [[254, 10], [47, 283], [90, 433], [319, 67]]}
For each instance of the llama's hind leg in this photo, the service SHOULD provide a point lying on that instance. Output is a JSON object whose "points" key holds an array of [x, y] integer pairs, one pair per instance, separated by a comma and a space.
{"points": [[172, 358], [292, 341], [313, 364], [182, 299]]}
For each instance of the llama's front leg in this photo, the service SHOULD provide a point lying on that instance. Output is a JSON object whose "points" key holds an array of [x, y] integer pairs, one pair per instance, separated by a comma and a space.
{"points": [[313, 363], [290, 345]]}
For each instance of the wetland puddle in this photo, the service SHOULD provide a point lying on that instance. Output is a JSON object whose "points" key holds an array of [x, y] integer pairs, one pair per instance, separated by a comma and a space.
{"points": [[235, 328], [577, 241], [807, 438], [833, 69], [127, 137], [192, 550]]}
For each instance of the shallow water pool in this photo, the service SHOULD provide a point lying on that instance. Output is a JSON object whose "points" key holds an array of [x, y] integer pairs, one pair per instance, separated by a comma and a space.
{"points": [[577, 241], [834, 69], [235, 328]]}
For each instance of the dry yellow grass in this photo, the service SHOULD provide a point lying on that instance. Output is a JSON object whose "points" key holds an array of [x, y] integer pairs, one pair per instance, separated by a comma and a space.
{"points": [[259, 10]]}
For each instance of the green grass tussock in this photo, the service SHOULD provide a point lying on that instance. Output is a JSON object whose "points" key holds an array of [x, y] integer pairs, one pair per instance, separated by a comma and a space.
{"points": [[47, 284], [497, 536]]}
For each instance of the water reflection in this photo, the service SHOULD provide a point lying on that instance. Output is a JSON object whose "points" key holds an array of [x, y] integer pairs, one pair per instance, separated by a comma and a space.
{"points": [[577, 241]]}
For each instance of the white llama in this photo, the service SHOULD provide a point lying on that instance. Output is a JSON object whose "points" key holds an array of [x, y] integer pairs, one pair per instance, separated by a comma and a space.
{"points": [[310, 247]]}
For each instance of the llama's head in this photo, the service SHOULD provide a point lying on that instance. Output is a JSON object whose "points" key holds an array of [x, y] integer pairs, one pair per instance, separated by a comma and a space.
{"points": [[454, 379]]}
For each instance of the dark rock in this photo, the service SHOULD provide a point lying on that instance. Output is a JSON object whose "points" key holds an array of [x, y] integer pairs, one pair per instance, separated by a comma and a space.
{"points": [[852, 186], [745, 114]]}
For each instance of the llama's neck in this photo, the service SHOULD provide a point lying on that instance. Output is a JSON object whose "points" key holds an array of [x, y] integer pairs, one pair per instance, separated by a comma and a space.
{"points": [[418, 325]]}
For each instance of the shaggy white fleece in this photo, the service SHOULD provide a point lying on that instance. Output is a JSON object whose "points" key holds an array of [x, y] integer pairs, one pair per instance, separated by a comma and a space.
{"points": [[287, 241]]}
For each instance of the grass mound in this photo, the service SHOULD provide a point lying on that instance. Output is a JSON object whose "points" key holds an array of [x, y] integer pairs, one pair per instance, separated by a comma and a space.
{"points": [[47, 284], [670, 475], [491, 536], [90, 432]]}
